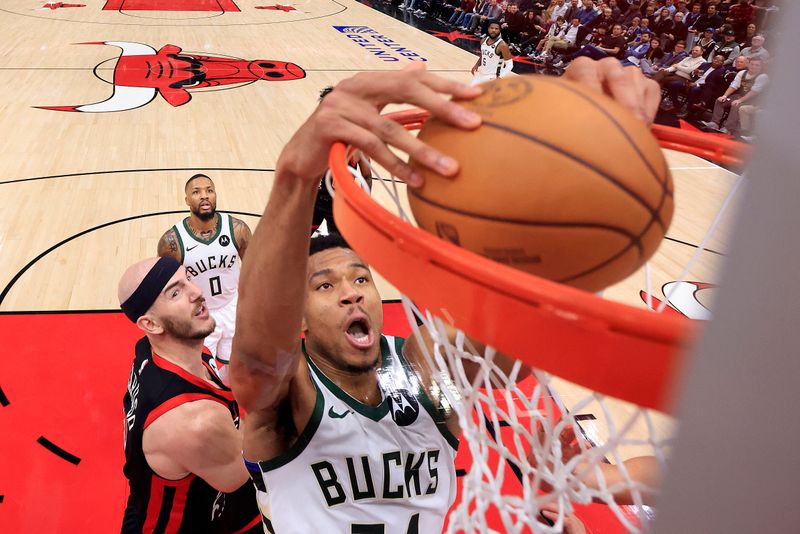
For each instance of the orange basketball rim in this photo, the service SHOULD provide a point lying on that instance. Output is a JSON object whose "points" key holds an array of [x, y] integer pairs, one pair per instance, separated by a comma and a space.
{"points": [[564, 331]]}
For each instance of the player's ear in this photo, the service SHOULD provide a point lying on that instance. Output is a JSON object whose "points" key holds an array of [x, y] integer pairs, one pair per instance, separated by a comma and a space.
{"points": [[149, 325]]}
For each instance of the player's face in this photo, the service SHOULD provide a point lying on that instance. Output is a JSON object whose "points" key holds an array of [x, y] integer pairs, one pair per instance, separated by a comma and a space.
{"points": [[494, 31], [181, 309], [201, 197], [343, 317]]}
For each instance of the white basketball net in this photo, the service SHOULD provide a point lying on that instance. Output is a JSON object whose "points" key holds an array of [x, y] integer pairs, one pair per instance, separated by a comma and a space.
{"points": [[536, 437]]}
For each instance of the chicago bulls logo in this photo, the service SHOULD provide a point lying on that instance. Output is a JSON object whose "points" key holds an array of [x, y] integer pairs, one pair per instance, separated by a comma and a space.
{"points": [[141, 73]]}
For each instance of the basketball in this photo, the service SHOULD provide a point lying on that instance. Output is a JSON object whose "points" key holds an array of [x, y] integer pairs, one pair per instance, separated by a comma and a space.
{"points": [[584, 203]]}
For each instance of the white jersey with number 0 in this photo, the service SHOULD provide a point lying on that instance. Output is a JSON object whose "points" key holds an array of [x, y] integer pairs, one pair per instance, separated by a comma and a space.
{"points": [[213, 265], [385, 469]]}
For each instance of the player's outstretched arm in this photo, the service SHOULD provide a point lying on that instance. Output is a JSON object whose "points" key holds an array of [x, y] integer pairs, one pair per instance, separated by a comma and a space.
{"points": [[273, 280]]}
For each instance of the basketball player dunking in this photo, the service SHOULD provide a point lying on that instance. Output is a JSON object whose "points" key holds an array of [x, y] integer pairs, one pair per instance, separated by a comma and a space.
{"points": [[211, 246], [182, 445], [343, 433], [495, 61]]}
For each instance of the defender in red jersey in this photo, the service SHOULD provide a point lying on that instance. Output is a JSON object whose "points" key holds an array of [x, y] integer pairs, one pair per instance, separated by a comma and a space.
{"points": [[182, 443]]}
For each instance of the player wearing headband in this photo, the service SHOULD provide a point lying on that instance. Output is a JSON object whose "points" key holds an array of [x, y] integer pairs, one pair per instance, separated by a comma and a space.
{"points": [[182, 443]]}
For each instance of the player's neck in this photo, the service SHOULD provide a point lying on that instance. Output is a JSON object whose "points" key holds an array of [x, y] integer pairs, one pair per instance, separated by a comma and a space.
{"points": [[185, 353], [202, 228], [362, 386]]}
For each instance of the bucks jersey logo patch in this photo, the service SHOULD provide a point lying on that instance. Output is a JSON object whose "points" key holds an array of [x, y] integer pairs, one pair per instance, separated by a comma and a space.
{"points": [[224, 241], [403, 407]]}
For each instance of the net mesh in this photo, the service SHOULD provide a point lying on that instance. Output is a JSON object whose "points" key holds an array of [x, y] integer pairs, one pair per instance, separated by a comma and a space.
{"points": [[532, 442]]}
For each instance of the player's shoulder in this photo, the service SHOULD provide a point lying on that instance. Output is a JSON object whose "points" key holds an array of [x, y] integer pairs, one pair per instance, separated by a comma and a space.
{"points": [[238, 223], [197, 420]]}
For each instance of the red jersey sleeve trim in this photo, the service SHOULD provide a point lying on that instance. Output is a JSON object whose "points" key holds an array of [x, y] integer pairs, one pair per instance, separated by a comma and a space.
{"points": [[189, 377], [176, 401]]}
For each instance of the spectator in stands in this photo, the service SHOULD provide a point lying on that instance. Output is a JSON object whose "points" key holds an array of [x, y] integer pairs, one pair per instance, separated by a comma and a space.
{"points": [[740, 16], [757, 50], [747, 115], [637, 51], [572, 12], [678, 32], [466, 6], [560, 10], [710, 20], [677, 77], [530, 32], [707, 42], [728, 47], [633, 29], [491, 13], [446, 10], [644, 26], [606, 18], [708, 87], [511, 27], [615, 10], [466, 22], [693, 32], [747, 87], [612, 45], [632, 18], [667, 60], [670, 5], [748, 36], [662, 24], [586, 14], [561, 39]]}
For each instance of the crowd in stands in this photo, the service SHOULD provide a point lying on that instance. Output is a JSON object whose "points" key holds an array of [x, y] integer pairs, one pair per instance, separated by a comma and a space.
{"points": [[709, 56]]}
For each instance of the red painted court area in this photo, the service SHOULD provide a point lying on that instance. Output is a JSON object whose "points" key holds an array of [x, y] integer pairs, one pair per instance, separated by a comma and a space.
{"points": [[171, 5], [61, 423]]}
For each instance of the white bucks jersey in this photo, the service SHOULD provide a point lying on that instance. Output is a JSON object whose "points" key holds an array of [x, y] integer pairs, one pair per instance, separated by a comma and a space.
{"points": [[213, 264], [491, 61], [385, 469]]}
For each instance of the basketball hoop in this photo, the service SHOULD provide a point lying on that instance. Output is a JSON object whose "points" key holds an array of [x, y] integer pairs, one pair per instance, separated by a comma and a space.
{"points": [[579, 337]]}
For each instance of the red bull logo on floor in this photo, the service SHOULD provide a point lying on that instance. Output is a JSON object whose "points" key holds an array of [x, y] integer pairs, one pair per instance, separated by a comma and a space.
{"points": [[142, 73]]}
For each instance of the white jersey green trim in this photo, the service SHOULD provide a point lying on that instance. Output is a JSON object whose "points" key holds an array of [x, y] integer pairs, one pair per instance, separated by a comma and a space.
{"points": [[212, 264], [355, 466]]}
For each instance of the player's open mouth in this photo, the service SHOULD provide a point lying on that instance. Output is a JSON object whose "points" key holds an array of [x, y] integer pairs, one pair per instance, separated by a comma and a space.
{"points": [[202, 312], [205, 205], [358, 332]]}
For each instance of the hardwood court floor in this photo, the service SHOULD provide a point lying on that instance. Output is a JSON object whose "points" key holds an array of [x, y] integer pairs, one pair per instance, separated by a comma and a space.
{"points": [[86, 193]]}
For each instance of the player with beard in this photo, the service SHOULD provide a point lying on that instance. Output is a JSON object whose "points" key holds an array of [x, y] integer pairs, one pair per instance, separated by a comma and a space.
{"points": [[182, 442], [344, 430], [495, 60], [211, 246]]}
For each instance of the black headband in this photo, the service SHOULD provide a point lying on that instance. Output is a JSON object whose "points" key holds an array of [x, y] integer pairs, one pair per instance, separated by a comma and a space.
{"points": [[147, 292]]}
